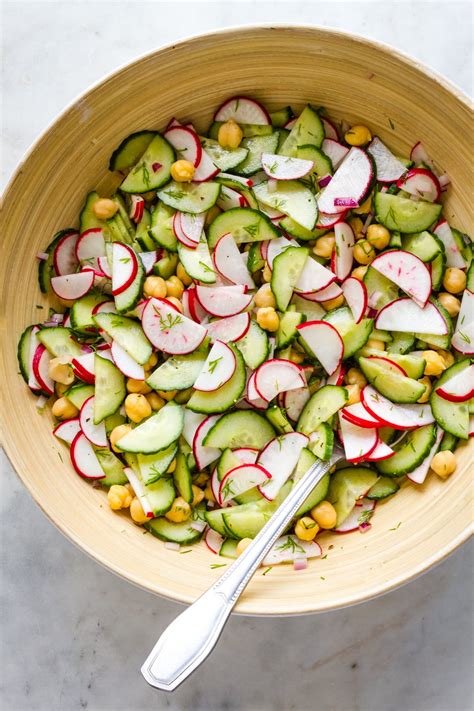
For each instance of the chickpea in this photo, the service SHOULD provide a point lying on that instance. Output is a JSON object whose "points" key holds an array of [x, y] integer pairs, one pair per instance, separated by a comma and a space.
{"points": [[171, 467], [378, 236], [137, 386], [137, 407], [357, 227], [354, 394], [427, 383], [306, 528], [230, 134], [176, 302], [375, 344], [434, 363], [211, 214], [325, 245], [209, 494], [59, 369], [267, 273], [264, 297], [444, 463], [296, 357], [63, 409], [183, 275], [60, 389], [117, 433], [324, 514], [119, 497], [198, 495], [450, 303], [333, 303], [268, 318], [104, 208], [358, 135], [359, 273], [179, 511], [137, 513], [167, 394], [242, 545], [202, 479], [364, 253], [156, 402], [151, 362], [354, 376], [174, 287], [182, 171], [155, 286], [447, 357], [454, 280]]}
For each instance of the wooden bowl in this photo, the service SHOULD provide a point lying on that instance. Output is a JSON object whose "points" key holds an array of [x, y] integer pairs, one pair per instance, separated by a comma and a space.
{"points": [[354, 79]]}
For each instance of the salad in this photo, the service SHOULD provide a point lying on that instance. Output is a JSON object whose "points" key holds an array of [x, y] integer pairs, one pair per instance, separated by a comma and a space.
{"points": [[243, 299]]}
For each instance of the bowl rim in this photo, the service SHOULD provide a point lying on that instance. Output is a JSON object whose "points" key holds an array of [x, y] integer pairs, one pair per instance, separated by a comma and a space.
{"points": [[9, 449]]}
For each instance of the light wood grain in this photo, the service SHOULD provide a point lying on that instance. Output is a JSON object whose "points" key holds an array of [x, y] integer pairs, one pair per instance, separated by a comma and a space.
{"points": [[354, 79]]}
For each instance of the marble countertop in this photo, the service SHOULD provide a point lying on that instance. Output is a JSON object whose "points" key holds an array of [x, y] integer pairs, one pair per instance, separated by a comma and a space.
{"points": [[74, 635]]}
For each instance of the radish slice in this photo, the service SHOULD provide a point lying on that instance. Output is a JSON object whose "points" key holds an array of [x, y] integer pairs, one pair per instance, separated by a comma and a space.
{"points": [[253, 396], [330, 292], [325, 221], [67, 430], [83, 367], [247, 455], [388, 364], [460, 387], [337, 378], [421, 183], [72, 286], [84, 458], [359, 415], [192, 225], [294, 402], [313, 277], [105, 307], [64, 258], [232, 328], [228, 262], [126, 364], [213, 540], [206, 169], [358, 442], [205, 455], [229, 199], [335, 151], [179, 234], [214, 484], [277, 376], [351, 180], [279, 458], [218, 369], [389, 414], [357, 517], [355, 294], [104, 266], [381, 451], [137, 208], [243, 110], [454, 257], [139, 491], [148, 259], [289, 549], [95, 433], [192, 420], [418, 154], [195, 309], [185, 142], [124, 267], [408, 317], [90, 244], [224, 300], [463, 339], [344, 252], [418, 475], [408, 272], [330, 130], [324, 342], [241, 479], [284, 168], [170, 331], [388, 167], [277, 246], [40, 364]]}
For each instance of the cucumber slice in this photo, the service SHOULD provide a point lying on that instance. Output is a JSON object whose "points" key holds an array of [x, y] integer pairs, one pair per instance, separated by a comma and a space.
{"points": [[181, 533], [254, 346], [287, 332], [321, 406], [128, 299], [311, 309], [278, 419], [322, 164], [190, 197], [228, 460], [405, 215], [380, 335], [244, 224], [409, 452], [178, 372], [113, 421], [224, 397], [128, 225], [59, 341], [291, 197], [229, 548], [308, 130], [346, 486], [453, 417], [319, 493], [146, 175], [255, 147], [380, 290], [249, 130], [295, 230], [23, 353], [247, 520], [425, 245], [142, 236], [354, 335], [88, 219], [156, 433], [395, 240], [287, 267], [322, 442], [470, 278], [242, 428], [435, 340], [166, 266], [153, 466], [46, 266], [216, 522], [161, 229], [197, 262], [112, 466], [438, 267], [449, 442], [78, 394], [224, 158], [110, 390], [128, 333], [131, 150], [82, 320], [397, 388], [280, 117], [182, 477], [401, 342], [413, 365], [160, 496], [382, 489], [255, 262]]}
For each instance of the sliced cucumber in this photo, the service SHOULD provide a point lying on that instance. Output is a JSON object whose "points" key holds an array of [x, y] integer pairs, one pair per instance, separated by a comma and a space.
{"points": [[453, 417], [88, 219], [224, 397], [197, 262], [380, 290], [112, 466], [321, 406], [142, 235], [59, 341], [190, 197], [181, 533], [308, 130], [322, 164], [224, 158], [46, 266], [287, 267], [280, 117], [409, 452], [182, 477], [291, 197], [247, 520], [449, 442], [24, 353], [242, 428], [397, 388], [425, 245], [82, 320], [229, 548], [153, 466], [255, 261], [160, 495], [161, 229], [383, 488], [131, 150], [128, 333], [249, 130], [319, 493], [354, 335], [153, 168], [255, 147], [295, 230], [311, 309], [78, 394], [413, 365], [287, 331], [228, 460], [346, 486], [322, 441], [113, 421], [178, 372], [254, 346], [470, 278], [244, 224], [405, 215], [215, 520], [401, 342], [436, 340], [166, 266], [128, 299], [438, 267], [110, 390], [278, 419], [122, 213], [156, 433]]}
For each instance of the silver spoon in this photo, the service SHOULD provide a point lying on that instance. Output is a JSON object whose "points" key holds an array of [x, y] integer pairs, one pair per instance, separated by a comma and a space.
{"points": [[191, 637]]}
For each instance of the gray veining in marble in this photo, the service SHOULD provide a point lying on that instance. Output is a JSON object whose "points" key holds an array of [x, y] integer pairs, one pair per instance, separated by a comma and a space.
{"points": [[73, 636]]}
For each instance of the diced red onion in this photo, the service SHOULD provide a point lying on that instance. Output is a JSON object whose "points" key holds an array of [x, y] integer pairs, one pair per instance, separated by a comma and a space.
{"points": [[345, 202], [59, 318], [325, 180], [198, 526], [156, 166], [368, 221], [364, 527], [171, 546], [41, 402], [42, 256], [300, 563], [50, 323]]}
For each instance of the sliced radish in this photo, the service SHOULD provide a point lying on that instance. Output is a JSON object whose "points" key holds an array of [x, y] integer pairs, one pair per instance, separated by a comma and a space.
{"points": [[359, 415], [241, 479], [90, 244], [313, 277], [247, 455], [105, 307], [83, 367], [388, 364], [284, 168], [205, 455], [193, 225], [137, 208], [418, 475], [218, 369], [279, 458], [192, 420], [224, 300], [277, 376], [95, 433], [229, 199], [206, 169], [228, 262], [408, 272], [324, 342], [64, 257], [232, 328], [179, 234], [139, 491], [408, 317], [355, 294], [325, 221], [337, 378], [196, 311], [246, 182], [381, 451], [148, 259], [421, 183], [84, 459], [418, 154], [330, 130], [213, 540], [344, 251], [335, 151], [276, 246], [253, 397], [463, 339], [290, 549], [351, 180], [169, 330], [333, 291], [454, 257], [72, 286], [186, 143], [214, 484], [67, 430], [401, 417], [357, 518], [388, 167], [125, 363], [124, 267], [294, 402], [243, 110], [358, 442], [40, 365], [104, 266]]}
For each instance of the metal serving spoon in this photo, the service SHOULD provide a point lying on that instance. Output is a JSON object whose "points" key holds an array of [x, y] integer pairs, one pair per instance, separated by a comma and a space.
{"points": [[172, 660]]}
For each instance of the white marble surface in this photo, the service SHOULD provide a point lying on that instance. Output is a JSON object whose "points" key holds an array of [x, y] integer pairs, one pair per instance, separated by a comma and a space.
{"points": [[73, 635]]}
